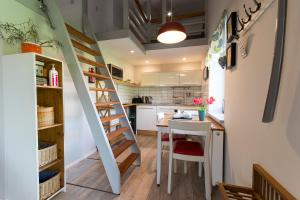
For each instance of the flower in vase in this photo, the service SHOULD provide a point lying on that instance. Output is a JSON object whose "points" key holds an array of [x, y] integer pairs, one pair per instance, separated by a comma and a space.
{"points": [[203, 104]]}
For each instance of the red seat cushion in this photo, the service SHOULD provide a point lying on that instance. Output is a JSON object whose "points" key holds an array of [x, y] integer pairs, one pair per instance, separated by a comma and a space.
{"points": [[188, 148], [165, 137]]}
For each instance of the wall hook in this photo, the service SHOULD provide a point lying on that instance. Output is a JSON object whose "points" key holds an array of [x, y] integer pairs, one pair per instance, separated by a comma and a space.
{"points": [[258, 6], [248, 15], [241, 25]]}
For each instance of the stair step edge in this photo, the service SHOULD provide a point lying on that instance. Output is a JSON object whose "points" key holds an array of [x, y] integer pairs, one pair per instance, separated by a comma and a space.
{"points": [[114, 134], [122, 147], [123, 166]]}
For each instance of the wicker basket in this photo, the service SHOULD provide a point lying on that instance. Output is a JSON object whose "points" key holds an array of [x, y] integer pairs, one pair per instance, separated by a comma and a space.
{"points": [[49, 187], [45, 116], [47, 155]]}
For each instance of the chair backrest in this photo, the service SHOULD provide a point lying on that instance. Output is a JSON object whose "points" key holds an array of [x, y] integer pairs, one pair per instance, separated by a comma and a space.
{"points": [[189, 127], [160, 116]]}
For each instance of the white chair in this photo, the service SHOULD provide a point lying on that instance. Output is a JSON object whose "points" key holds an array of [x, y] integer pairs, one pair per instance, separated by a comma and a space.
{"points": [[165, 136], [164, 141], [191, 150]]}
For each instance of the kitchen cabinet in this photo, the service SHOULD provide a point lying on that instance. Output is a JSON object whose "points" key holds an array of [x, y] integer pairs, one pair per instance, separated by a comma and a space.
{"points": [[190, 77], [186, 78], [146, 118], [150, 79], [169, 79]]}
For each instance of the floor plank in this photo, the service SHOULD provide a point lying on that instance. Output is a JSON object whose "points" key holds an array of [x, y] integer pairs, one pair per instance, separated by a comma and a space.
{"points": [[139, 183]]}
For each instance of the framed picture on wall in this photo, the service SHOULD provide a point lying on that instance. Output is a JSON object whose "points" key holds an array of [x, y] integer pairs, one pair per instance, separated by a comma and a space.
{"points": [[231, 56], [231, 27]]}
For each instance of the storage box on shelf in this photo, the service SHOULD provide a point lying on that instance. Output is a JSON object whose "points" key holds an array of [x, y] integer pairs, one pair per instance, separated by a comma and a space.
{"points": [[39, 120], [50, 186], [45, 116], [47, 153]]}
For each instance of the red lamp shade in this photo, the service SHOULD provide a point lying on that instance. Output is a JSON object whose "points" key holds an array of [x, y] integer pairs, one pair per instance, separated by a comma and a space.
{"points": [[171, 32]]}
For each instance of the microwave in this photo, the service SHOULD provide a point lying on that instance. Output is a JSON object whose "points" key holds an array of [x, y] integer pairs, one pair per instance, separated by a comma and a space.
{"points": [[116, 72]]}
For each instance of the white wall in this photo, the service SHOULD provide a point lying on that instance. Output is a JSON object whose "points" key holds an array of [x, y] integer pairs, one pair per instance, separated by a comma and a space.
{"points": [[276, 145], [166, 68], [1, 131], [78, 139], [128, 69]]}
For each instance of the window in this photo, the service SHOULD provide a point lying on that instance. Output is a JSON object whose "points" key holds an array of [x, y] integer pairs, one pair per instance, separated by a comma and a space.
{"points": [[215, 55]]}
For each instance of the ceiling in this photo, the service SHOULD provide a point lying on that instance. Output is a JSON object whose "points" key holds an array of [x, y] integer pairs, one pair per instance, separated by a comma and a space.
{"points": [[180, 7], [121, 48]]}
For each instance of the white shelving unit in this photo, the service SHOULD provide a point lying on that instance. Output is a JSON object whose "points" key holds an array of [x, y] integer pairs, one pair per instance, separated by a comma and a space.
{"points": [[22, 135]]}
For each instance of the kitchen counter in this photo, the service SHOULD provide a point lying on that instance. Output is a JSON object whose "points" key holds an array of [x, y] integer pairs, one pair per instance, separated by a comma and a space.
{"points": [[147, 114], [126, 105], [164, 104]]}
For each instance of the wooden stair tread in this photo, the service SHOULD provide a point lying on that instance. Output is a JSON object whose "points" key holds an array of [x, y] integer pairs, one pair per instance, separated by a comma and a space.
{"points": [[122, 147], [73, 31], [115, 134], [97, 76], [107, 104], [102, 89], [110, 118], [112, 126], [84, 48], [90, 62], [123, 166]]}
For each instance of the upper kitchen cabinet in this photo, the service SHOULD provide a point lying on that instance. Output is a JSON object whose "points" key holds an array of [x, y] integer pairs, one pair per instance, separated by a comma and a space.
{"points": [[169, 79], [150, 79], [190, 78]]}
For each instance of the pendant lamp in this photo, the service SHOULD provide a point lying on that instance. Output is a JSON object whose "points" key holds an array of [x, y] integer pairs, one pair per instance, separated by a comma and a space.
{"points": [[171, 32]]}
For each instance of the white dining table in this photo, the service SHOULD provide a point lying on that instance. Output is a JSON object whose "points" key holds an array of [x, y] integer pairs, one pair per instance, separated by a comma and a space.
{"points": [[163, 127]]}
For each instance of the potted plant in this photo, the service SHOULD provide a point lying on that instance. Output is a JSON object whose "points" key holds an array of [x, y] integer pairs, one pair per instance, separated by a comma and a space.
{"points": [[25, 33], [202, 106]]}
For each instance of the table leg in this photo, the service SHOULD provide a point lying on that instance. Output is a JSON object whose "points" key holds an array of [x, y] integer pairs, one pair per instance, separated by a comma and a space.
{"points": [[158, 158]]}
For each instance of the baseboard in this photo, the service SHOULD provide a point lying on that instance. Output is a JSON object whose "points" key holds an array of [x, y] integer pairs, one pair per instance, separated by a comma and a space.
{"points": [[81, 159]]}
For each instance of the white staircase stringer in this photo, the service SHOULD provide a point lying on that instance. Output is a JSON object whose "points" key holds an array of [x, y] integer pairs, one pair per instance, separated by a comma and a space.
{"points": [[114, 96], [96, 127]]}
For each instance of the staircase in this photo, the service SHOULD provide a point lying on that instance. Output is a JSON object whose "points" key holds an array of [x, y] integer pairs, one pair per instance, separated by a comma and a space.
{"points": [[112, 139]]}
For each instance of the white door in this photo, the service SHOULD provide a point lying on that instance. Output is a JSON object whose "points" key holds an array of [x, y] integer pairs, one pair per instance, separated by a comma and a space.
{"points": [[150, 79], [146, 118], [169, 79], [191, 77]]}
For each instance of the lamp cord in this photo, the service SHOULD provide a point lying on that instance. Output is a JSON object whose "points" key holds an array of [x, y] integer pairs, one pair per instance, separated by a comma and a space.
{"points": [[171, 10]]}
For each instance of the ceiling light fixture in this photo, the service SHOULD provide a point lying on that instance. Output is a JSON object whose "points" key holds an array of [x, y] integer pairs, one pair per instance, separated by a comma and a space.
{"points": [[131, 51], [169, 13], [171, 32], [184, 58]]}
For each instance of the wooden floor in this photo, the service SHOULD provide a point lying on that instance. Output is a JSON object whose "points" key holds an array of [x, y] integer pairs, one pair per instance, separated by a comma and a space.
{"points": [[138, 184]]}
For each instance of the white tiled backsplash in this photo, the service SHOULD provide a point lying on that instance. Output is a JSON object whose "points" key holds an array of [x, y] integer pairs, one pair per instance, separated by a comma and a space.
{"points": [[126, 93], [171, 95]]}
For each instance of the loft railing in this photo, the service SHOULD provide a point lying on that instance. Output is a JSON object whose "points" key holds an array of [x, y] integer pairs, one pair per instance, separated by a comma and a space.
{"points": [[137, 18]]}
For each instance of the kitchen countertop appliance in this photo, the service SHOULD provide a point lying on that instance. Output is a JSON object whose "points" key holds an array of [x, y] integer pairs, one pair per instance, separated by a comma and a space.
{"points": [[137, 100], [143, 99]]}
